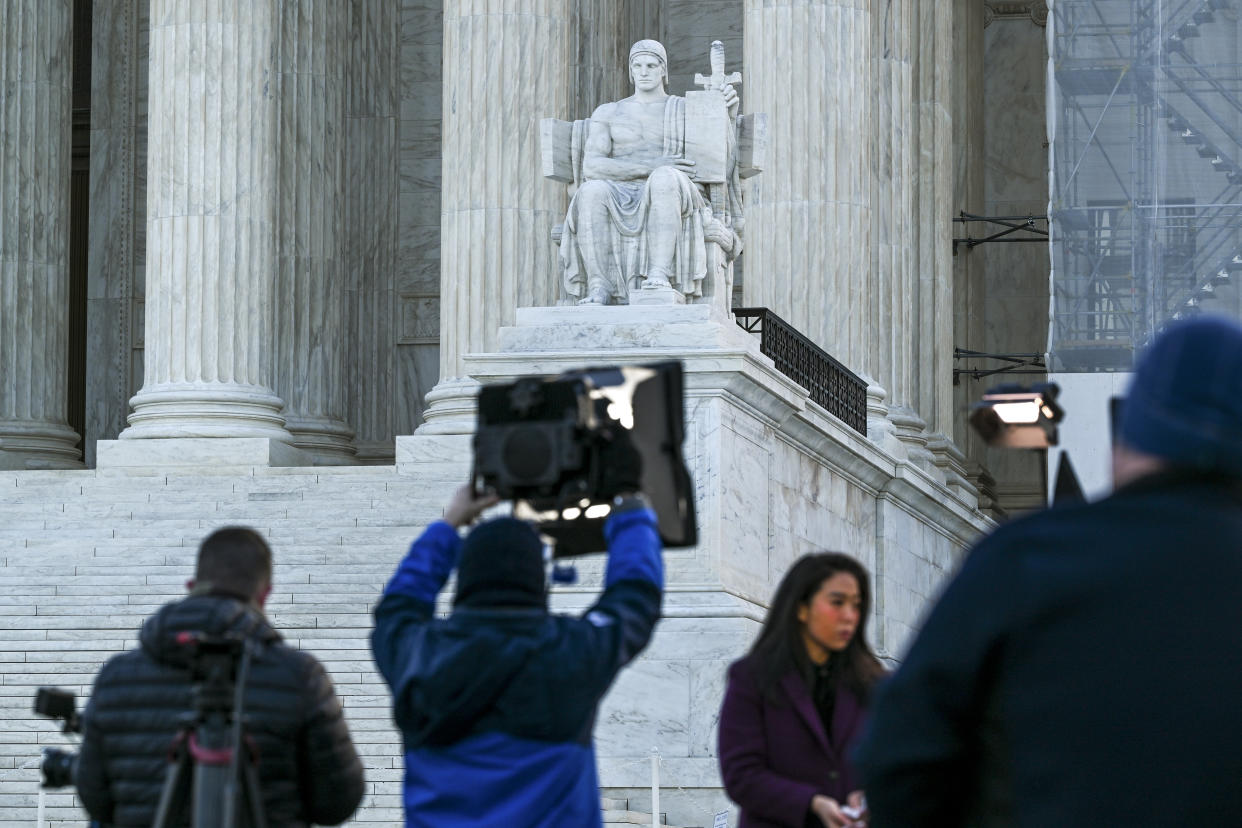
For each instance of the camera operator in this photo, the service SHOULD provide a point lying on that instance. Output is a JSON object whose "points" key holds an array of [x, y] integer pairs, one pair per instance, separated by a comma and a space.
{"points": [[497, 702], [1076, 672], [308, 769]]}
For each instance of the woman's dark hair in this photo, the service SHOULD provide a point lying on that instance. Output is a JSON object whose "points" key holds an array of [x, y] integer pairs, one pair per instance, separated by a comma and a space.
{"points": [[780, 647]]}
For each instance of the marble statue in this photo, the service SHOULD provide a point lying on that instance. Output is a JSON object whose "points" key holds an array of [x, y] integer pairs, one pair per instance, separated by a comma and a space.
{"points": [[655, 211]]}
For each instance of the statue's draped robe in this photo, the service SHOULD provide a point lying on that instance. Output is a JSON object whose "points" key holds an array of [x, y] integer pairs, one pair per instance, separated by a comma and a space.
{"points": [[621, 248]]}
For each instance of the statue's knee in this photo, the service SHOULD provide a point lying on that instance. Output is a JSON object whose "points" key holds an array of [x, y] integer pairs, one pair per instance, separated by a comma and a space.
{"points": [[593, 193], [665, 181]]}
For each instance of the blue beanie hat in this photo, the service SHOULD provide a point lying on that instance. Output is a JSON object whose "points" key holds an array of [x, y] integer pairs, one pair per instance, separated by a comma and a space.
{"points": [[1185, 402], [501, 566]]}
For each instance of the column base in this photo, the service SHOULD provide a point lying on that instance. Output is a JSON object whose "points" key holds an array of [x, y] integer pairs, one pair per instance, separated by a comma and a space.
{"points": [[952, 464], [328, 442], [911, 429], [206, 409], [880, 429], [198, 452], [34, 445], [451, 408]]}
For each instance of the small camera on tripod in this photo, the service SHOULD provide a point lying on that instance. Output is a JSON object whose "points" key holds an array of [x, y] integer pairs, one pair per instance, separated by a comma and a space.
{"points": [[563, 448], [58, 765]]}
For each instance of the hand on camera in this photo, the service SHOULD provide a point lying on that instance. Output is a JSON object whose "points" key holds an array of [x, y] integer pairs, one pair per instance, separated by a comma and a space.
{"points": [[466, 506], [622, 465]]}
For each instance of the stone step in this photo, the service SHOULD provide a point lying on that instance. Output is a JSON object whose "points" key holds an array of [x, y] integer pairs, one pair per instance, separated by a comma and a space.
{"points": [[628, 819]]}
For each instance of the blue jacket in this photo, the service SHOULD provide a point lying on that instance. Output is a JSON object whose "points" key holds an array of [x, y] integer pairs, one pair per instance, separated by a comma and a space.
{"points": [[496, 706]]}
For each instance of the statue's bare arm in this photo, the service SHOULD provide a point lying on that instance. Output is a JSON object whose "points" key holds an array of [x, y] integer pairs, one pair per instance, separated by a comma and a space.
{"points": [[598, 163]]}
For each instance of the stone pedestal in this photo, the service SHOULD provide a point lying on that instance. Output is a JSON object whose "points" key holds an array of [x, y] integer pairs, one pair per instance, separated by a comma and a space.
{"points": [[211, 204], [775, 477], [35, 93]]}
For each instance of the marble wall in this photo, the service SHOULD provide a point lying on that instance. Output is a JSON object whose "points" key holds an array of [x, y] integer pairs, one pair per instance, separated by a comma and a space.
{"points": [[969, 283]]}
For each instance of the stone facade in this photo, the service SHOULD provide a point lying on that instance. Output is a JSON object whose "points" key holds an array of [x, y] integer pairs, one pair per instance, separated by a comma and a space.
{"points": [[317, 226]]}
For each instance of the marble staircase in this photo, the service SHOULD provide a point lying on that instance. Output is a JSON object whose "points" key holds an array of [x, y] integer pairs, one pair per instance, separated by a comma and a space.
{"points": [[617, 814], [85, 556]]}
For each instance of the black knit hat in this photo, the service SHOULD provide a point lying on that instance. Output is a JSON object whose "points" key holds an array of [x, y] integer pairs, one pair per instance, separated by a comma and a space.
{"points": [[1185, 403], [501, 566]]}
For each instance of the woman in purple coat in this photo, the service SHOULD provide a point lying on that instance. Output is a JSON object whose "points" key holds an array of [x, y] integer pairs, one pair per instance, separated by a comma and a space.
{"points": [[794, 707]]}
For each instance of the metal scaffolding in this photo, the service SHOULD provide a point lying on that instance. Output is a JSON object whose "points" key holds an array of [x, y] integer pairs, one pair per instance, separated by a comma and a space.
{"points": [[1145, 135]]}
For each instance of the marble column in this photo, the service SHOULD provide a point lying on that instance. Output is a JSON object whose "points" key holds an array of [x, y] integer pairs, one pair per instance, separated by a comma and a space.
{"points": [[602, 42], [310, 271], [808, 216], [211, 209], [36, 38], [895, 335], [507, 64], [934, 224], [371, 213]]}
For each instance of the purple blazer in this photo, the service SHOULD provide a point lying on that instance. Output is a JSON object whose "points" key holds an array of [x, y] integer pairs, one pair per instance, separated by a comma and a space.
{"points": [[775, 757]]}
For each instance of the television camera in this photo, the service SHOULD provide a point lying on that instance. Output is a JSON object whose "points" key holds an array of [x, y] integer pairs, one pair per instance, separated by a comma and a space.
{"points": [[563, 448]]}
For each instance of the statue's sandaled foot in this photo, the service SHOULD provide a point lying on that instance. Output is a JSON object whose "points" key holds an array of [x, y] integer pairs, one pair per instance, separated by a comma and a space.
{"points": [[656, 280], [596, 296]]}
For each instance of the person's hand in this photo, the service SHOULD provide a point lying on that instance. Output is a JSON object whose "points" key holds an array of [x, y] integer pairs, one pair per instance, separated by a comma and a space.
{"points": [[465, 506], [622, 471], [856, 810], [676, 162], [828, 811], [730, 98]]}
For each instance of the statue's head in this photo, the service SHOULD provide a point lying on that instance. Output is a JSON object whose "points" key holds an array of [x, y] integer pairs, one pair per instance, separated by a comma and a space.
{"points": [[648, 64]]}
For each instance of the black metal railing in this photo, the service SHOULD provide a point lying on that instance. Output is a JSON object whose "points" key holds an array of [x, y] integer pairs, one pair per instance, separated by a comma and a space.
{"points": [[838, 389]]}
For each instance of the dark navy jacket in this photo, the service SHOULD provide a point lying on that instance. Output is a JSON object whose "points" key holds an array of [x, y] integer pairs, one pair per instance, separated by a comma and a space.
{"points": [[496, 707], [1080, 670]]}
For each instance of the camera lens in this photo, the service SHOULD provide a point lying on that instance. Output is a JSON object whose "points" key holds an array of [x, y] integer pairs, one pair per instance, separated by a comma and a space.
{"points": [[58, 767]]}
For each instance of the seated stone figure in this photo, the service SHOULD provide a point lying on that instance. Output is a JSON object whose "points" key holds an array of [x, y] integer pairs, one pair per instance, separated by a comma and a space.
{"points": [[639, 219]]}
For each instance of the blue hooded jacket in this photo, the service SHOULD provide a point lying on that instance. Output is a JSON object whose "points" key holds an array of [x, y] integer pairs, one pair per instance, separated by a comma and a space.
{"points": [[496, 706]]}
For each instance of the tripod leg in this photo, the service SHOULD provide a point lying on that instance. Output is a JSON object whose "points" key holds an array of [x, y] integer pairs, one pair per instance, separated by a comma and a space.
{"points": [[176, 792], [251, 791]]}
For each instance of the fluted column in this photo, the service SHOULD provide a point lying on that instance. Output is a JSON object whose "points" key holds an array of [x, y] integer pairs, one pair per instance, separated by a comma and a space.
{"points": [[935, 257], [211, 207], [35, 125], [969, 289], [808, 216], [310, 274], [371, 123], [601, 30], [895, 335], [507, 63]]}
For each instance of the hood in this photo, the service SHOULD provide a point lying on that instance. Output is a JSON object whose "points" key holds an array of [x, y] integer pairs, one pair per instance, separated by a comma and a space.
{"points": [[453, 678], [213, 615]]}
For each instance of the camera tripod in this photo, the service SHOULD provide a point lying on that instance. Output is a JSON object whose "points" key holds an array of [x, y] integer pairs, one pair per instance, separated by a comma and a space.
{"points": [[212, 770]]}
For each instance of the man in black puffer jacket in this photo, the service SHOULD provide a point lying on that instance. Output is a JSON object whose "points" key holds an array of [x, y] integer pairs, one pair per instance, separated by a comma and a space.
{"points": [[308, 769]]}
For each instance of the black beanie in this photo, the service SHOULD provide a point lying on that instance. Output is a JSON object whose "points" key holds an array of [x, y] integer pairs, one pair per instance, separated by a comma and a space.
{"points": [[501, 566]]}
